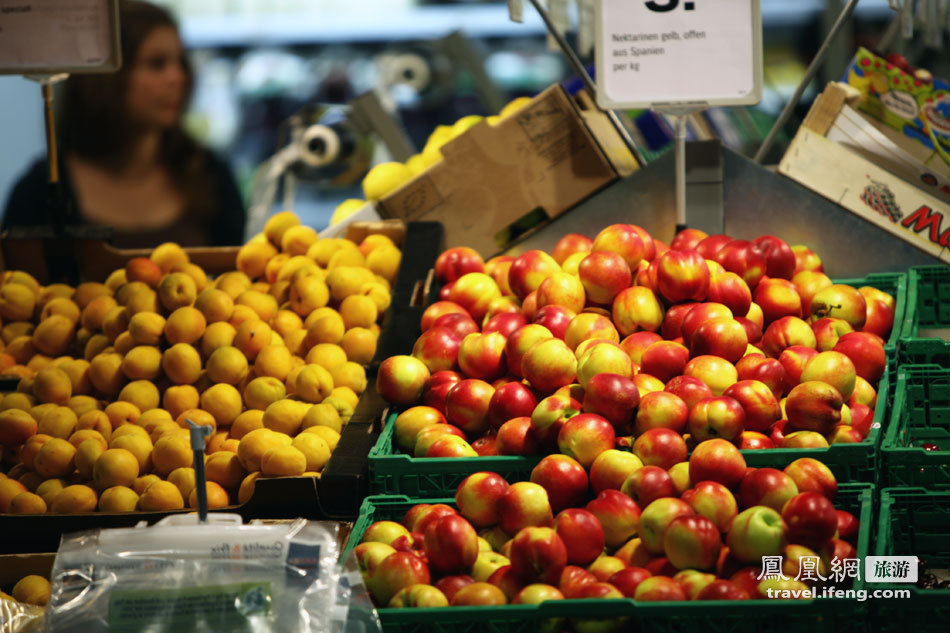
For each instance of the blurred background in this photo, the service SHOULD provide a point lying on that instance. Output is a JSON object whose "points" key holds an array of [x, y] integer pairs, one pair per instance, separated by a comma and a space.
{"points": [[258, 62]]}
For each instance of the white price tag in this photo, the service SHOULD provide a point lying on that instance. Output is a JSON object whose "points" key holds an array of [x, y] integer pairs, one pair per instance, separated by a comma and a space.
{"points": [[678, 53], [55, 36]]}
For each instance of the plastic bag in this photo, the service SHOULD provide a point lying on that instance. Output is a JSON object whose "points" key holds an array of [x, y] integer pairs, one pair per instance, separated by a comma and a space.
{"points": [[17, 617], [181, 577], [361, 616]]}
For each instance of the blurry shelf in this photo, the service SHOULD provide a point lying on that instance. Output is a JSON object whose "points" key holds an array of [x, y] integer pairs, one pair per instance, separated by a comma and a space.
{"points": [[795, 12], [415, 23], [425, 22]]}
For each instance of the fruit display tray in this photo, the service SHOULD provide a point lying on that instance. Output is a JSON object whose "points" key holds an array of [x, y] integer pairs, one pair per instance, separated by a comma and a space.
{"points": [[920, 414], [894, 284], [914, 522], [849, 462], [394, 472], [832, 615]]}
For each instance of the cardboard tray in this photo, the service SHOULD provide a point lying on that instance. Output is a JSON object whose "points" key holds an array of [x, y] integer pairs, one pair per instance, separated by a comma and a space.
{"points": [[80, 258], [13, 567], [539, 162], [93, 258]]}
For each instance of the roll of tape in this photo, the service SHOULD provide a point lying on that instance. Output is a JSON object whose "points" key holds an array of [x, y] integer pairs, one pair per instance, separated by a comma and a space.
{"points": [[320, 145], [410, 70]]}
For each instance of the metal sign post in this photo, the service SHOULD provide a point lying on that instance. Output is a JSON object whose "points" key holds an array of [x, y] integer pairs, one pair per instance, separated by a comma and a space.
{"points": [[809, 75], [678, 57]]}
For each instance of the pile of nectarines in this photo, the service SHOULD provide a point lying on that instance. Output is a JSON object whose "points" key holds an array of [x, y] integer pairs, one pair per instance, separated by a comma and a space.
{"points": [[605, 339]]}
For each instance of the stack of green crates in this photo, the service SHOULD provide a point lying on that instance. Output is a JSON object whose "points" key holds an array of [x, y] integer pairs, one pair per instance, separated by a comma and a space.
{"points": [[925, 332], [920, 415], [914, 504], [399, 481], [913, 522], [920, 421]]}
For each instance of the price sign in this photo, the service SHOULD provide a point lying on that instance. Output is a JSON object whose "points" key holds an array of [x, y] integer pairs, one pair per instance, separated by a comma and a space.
{"points": [[44, 37], [678, 53]]}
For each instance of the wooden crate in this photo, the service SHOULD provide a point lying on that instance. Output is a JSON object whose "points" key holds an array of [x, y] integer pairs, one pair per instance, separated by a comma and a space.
{"points": [[860, 185]]}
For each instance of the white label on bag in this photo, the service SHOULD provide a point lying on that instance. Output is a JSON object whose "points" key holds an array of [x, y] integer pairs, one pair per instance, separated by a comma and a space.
{"points": [[678, 52]]}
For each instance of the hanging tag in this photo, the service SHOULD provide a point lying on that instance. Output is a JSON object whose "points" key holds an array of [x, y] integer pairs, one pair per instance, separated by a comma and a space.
{"points": [[516, 11], [586, 27], [897, 5], [558, 12]]}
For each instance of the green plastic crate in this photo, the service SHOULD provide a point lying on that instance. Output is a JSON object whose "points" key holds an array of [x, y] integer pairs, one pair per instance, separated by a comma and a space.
{"points": [[831, 615], [925, 332], [928, 302], [849, 462], [920, 414], [394, 472], [914, 522], [894, 284]]}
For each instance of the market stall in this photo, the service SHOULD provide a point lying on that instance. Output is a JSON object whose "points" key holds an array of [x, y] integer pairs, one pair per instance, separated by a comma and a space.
{"points": [[533, 379]]}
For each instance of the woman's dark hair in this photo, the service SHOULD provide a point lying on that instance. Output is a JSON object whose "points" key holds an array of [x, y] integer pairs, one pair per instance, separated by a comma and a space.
{"points": [[96, 126]]}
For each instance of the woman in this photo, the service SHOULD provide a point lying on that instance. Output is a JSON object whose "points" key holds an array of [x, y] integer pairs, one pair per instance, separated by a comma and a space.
{"points": [[128, 164]]}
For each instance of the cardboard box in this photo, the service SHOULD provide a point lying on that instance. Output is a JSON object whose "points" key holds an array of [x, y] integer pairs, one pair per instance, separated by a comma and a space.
{"points": [[539, 162], [606, 135], [861, 186], [94, 259], [13, 567], [16, 617]]}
